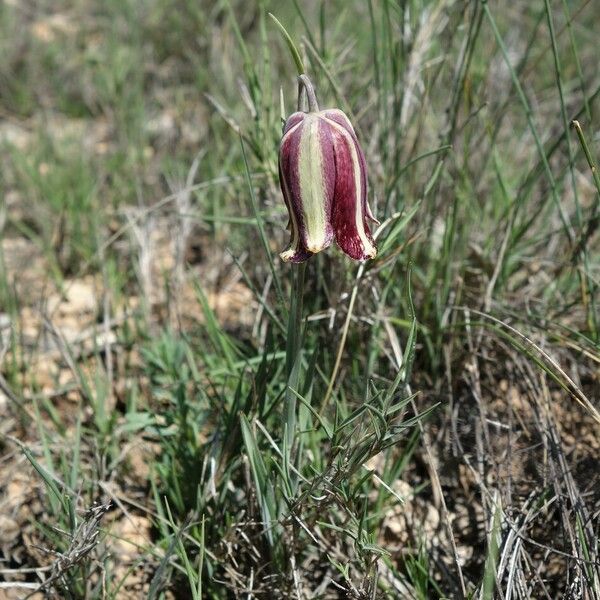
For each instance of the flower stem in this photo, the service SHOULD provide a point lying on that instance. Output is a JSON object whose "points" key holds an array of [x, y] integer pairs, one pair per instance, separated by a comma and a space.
{"points": [[305, 84], [293, 355]]}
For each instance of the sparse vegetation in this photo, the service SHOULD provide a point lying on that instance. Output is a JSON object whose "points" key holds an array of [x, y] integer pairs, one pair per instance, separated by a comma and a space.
{"points": [[160, 437]]}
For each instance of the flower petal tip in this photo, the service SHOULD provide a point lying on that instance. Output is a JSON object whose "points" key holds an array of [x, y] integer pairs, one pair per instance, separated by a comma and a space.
{"points": [[294, 256]]}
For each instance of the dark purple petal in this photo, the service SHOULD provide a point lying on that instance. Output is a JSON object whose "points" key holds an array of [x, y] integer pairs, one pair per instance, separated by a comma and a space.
{"points": [[288, 181], [350, 209], [293, 120]]}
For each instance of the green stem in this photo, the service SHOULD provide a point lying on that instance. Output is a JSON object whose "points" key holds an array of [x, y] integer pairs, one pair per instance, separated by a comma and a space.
{"points": [[293, 355], [588, 155]]}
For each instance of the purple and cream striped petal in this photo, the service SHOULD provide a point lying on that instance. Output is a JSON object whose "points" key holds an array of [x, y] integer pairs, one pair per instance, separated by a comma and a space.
{"points": [[350, 207], [307, 178]]}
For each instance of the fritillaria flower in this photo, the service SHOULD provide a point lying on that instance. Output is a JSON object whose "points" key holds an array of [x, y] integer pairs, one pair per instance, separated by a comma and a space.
{"points": [[323, 177]]}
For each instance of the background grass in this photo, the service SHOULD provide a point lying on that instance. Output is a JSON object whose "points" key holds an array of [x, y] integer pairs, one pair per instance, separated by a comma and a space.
{"points": [[144, 311]]}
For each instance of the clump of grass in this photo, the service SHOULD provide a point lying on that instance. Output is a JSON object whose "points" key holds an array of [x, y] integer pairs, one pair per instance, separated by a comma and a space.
{"points": [[434, 434]]}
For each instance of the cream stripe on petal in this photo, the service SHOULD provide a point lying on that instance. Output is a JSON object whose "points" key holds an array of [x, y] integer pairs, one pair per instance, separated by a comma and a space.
{"points": [[312, 188], [358, 212]]}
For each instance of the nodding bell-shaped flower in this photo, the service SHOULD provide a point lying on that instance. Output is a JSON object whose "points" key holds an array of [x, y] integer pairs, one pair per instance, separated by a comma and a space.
{"points": [[323, 177]]}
